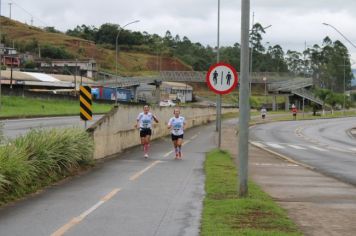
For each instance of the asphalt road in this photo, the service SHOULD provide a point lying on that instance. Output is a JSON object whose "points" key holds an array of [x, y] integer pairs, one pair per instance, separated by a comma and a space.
{"points": [[322, 144], [13, 128], [127, 195]]}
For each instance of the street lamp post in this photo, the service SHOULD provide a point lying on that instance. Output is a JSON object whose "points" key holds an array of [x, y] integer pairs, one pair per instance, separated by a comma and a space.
{"points": [[344, 59], [265, 79], [340, 34], [116, 49]]}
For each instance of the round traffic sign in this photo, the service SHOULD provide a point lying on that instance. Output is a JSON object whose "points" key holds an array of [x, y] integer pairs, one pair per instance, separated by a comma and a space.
{"points": [[221, 78]]}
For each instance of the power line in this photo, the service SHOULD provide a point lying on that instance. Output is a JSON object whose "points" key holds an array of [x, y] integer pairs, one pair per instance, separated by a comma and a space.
{"points": [[29, 13]]}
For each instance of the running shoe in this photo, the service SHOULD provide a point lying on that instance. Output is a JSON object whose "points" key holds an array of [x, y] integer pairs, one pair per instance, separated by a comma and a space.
{"points": [[146, 155], [179, 155]]}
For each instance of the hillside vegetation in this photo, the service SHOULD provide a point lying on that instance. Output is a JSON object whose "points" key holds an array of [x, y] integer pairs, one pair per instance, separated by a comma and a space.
{"points": [[31, 39]]}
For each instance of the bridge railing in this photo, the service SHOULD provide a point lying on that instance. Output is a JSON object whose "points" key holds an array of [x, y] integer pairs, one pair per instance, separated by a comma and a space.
{"points": [[302, 92], [286, 86], [192, 76]]}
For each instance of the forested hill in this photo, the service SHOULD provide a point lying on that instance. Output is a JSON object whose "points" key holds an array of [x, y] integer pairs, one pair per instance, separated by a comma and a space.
{"points": [[142, 53]]}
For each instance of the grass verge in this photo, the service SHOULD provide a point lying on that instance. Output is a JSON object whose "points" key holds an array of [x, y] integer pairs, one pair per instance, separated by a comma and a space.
{"points": [[13, 106], [226, 214], [41, 158], [287, 116]]}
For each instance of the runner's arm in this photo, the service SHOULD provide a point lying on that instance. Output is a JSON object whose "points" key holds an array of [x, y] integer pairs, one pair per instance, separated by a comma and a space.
{"points": [[169, 124], [137, 121], [155, 118], [137, 124]]}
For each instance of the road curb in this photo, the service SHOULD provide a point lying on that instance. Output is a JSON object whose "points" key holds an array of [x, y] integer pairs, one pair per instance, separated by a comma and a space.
{"points": [[283, 157]]}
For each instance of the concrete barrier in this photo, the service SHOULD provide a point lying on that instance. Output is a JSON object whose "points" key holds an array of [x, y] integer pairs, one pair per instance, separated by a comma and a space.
{"points": [[115, 131]]}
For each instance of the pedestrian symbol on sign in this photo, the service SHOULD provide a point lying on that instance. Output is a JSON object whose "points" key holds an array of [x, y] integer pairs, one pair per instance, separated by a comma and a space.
{"points": [[215, 77], [228, 78]]}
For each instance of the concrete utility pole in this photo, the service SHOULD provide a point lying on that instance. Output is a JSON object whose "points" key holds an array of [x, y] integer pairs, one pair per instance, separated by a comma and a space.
{"points": [[251, 51], [10, 3], [244, 99], [344, 104], [218, 100]]}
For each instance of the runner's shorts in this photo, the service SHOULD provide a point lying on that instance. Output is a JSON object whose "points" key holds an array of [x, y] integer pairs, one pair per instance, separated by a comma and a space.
{"points": [[176, 137], [145, 131]]}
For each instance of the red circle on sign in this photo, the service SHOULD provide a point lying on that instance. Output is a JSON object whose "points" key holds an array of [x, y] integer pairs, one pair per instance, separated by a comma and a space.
{"points": [[211, 68]]}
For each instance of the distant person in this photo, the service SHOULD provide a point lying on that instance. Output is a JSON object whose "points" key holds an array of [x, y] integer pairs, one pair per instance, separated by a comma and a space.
{"points": [[215, 77], [294, 112], [263, 112], [228, 78], [177, 124], [144, 123]]}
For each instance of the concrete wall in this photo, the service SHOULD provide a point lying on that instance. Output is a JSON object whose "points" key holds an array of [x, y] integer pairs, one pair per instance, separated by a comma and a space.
{"points": [[115, 131]]}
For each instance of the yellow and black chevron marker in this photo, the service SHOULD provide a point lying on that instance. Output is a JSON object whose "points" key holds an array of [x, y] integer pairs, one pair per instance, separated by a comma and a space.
{"points": [[85, 103]]}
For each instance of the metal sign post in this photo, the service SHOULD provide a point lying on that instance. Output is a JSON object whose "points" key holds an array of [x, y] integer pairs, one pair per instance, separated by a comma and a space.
{"points": [[221, 79]]}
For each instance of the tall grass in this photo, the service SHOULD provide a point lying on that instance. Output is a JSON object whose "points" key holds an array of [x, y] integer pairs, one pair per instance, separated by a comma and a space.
{"points": [[41, 157]]}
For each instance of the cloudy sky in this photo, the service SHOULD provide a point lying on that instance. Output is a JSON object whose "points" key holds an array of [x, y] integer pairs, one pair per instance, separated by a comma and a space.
{"points": [[293, 22]]}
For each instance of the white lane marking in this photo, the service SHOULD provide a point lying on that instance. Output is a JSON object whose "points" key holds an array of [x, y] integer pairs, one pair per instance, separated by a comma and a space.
{"points": [[352, 149], [337, 149], [167, 154], [193, 137], [318, 148], [275, 165], [76, 220], [275, 145], [296, 147], [138, 174], [186, 142], [258, 144]]}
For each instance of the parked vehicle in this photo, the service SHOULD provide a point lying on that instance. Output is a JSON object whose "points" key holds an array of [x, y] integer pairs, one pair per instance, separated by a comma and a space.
{"points": [[167, 103]]}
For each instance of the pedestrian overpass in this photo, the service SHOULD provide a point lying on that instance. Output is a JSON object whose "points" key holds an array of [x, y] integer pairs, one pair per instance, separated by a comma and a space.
{"points": [[276, 84]]}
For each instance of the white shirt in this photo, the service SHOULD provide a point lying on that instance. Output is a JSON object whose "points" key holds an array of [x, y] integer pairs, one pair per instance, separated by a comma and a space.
{"points": [[177, 125], [145, 120]]}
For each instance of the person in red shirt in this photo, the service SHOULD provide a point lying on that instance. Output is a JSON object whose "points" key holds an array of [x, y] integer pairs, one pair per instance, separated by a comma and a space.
{"points": [[294, 112]]}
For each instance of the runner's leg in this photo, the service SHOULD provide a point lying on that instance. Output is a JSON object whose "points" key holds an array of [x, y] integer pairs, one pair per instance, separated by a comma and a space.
{"points": [[148, 138], [179, 146]]}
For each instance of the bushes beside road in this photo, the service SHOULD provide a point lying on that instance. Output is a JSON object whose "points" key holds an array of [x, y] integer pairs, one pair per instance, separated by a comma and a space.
{"points": [[41, 157]]}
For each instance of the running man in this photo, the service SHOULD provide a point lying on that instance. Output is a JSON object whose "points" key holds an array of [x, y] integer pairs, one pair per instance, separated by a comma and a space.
{"points": [[294, 112], [177, 124], [144, 122], [263, 112]]}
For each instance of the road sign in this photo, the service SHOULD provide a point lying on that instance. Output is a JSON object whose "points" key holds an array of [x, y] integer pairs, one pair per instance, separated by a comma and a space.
{"points": [[221, 78], [85, 103]]}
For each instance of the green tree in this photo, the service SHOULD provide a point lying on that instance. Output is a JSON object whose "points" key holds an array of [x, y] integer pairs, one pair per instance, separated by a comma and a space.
{"points": [[295, 62]]}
